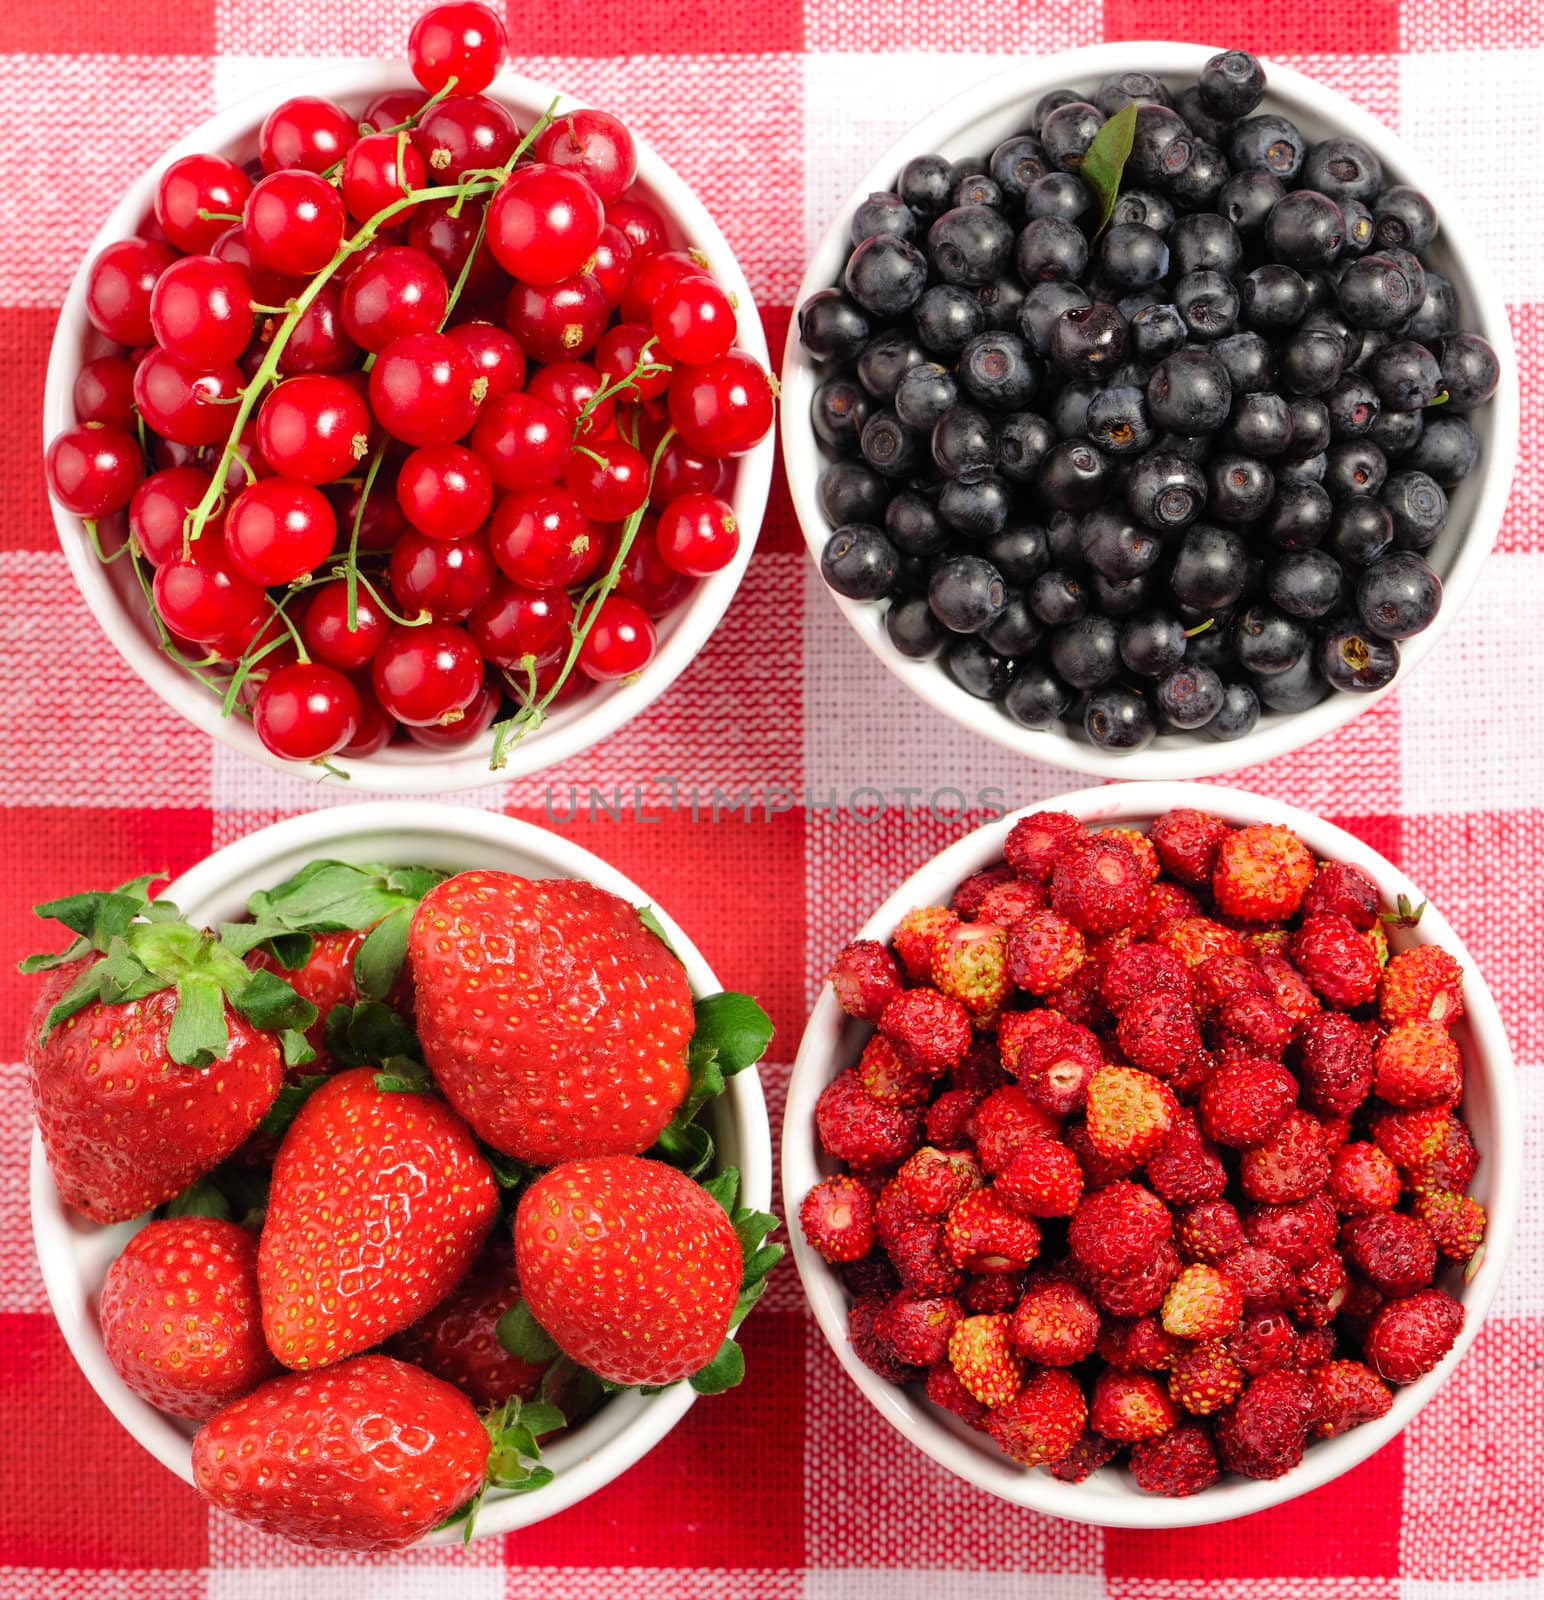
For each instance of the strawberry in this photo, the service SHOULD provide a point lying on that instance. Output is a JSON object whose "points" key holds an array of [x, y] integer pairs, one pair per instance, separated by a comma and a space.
{"points": [[1261, 873], [950, 1120], [1035, 842], [1291, 1164], [1332, 954], [1187, 842], [1208, 1231], [1118, 1230], [1263, 1340], [1363, 1179], [970, 965], [945, 1389], [1417, 1065], [1424, 982], [988, 1293], [1128, 1406], [1184, 1168], [1340, 889], [180, 1319], [1299, 1233], [1157, 1032], [1129, 1113], [1265, 1280], [983, 1359], [1142, 969], [1245, 1101], [982, 1233], [1407, 1338], [1005, 903], [934, 1179], [860, 1130], [1349, 1394], [1139, 1345], [1450, 1164], [1043, 1421], [458, 1339], [1205, 1378], [1054, 1324], [864, 977], [1052, 1058], [1395, 1253], [924, 1265], [966, 901], [1134, 1294], [1334, 1064], [1044, 950], [1099, 885], [367, 1455], [380, 1202], [1005, 1122], [633, 1269], [1043, 1180], [918, 1326], [1163, 902], [326, 979], [930, 1031], [1180, 1462], [1197, 939], [916, 935], [1457, 1223], [837, 1217], [1322, 1287], [1090, 1452], [869, 1344], [553, 1019], [1202, 1303], [1263, 1434], [889, 1079]]}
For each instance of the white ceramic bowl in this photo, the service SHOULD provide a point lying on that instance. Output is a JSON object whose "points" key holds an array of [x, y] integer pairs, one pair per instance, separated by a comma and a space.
{"points": [[972, 124], [1109, 1498], [114, 597], [75, 1254]]}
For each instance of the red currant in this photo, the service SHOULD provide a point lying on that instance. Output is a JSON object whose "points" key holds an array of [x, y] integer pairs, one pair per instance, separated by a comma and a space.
{"points": [[185, 402], [397, 292], [568, 387], [514, 622], [326, 631], [245, 465], [496, 355], [159, 510], [594, 145], [474, 722], [319, 342], [612, 264], [313, 428], [646, 578], [445, 577], [461, 41], [542, 539], [277, 531], [391, 108], [463, 134], [723, 408], [293, 223], [378, 171], [305, 132], [381, 523], [617, 357], [94, 469], [620, 642], [522, 441], [694, 321], [449, 239], [306, 711], [119, 286], [611, 487], [558, 321], [202, 310], [643, 225], [375, 727], [698, 535], [195, 184], [682, 471], [203, 598], [423, 389], [544, 223], [428, 673], [104, 392], [444, 491], [650, 275]]}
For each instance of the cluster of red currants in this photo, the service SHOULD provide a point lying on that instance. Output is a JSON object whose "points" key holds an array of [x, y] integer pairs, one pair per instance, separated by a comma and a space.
{"points": [[415, 419]]}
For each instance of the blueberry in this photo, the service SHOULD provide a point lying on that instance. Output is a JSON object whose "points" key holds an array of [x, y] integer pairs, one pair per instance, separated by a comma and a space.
{"points": [[1067, 133], [1353, 407], [1240, 488], [1360, 531], [1435, 316], [1446, 450], [831, 327], [975, 510], [1404, 217], [997, 370], [1299, 516], [1211, 567], [1302, 469], [1124, 597], [977, 669], [1209, 304], [1064, 539], [1018, 164], [1001, 303], [1074, 475], [1238, 715], [1023, 439], [851, 491], [1197, 186], [914, 525], [1204, 242], [1059, 195], [884, 361], [1470, 371], [1248, 359], [946, 318], [1305, 229], [1133, 256], [1361, 233], [860, 562], [885, 275], [889, 446], [1020, 552], [1343, 169], [1397, 433], [1310, 427], [913, 629], [1057, 597], [1270, 143], [1152, 210], [1355, 467], [964, 445], [1054, 100], [1261, 424], [1115, 547], [883, 212], [925, 185], [1189, 392], [1089, 340], [1374, 292], [1152, 645], [1158, 331], [970, 245], [1296, 689], [1246, 199], [1069, 410], [1122, 89], [1164, 491], [1048, 249], [977, 190], [1157, 132], [1118, 718], [924, 394], [1398, 596], [837, 413], [1364, 346], [1355, 660], [1268, 641], [1305, 583], [1209, 640], [1015, 632], [1232, 83], [1204, 122], [1273, 297], [1037, 698], [1189, 695], [966, 593], [1311, 360], [1118, 423], [1086, 653], [1409, 264], [1406, 375], [1043, 304]]}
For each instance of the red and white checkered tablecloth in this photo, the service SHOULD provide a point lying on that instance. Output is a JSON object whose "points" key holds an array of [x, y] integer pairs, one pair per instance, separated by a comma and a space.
{"points": [[792, 1486]]}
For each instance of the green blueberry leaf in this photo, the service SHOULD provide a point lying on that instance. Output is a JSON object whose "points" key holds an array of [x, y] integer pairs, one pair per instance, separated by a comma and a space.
{"points": [[1105, 161]]}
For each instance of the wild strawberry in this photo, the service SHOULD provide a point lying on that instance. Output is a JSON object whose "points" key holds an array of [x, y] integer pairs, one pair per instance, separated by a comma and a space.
{"points": [[922, 1263], [1118, 1229], [1335, 959], [1053, 1059], [1005, 1122], [1362, 1180], [918, 1327], [865, 979], [1349, 1394], [869, 1344], [1158, 1033], [1298, 1233], [1043, 1180], [1142, 1344], [180, 1318], [945, 1389], [966, 900], [1184, 1168], [890, 1080], [1411, 1138], [1182, 1462], [1452, 1165], [895, 1211], [929, 1030], [1407, 1338], [1043, 1421], [1005, 903], [1205, 1378], [1098, 1170], [1271, 940], [970, 965], [1456, 1222], [1088, 1453], [1244, 1102], [1255, 1025], [1290, 1164], [988, 1293], [1337, 1130], [984, 1234], [1261, 873], [873, 1274], [984, 1360], [1141, 847], [1187, 842], [1044, 950], [1208, 1231], [981, 1069], [1142, 969], [1202, 1303], [1377, 940], [950, 1120], [1129, 1113], [1395, 1253], [1129, 1406], [1098, 886], [1318, 1344], [1055, 1324], [1263, 1340], [1197, 939], [837, 1217], [1357, 1310], [934, 1179], [1288, 987], [1221, 977], [1342, 890], [317, 1457], [859, 1130], [1263, 1434], [1080, 1000], [1334, 1064], [1134, 1294], [1424, 982], [1035, 843], [1417, 1065], [916, 936], [1265, 1279]]}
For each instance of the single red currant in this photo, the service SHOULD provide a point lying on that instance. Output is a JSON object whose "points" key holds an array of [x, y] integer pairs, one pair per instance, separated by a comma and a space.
{"points": [[94, 469], [375, 727], [428, 673], [723, 408], [609, 480], [621, 351], [381, 522], [306, 711], [445, 491], [424, 389], [314, 428], [557, 321], [448, 578], [515, 623], [544, 223], [473, 723], [201, 597], [391, 109], [698, 534], [305, 132], [461, 41], [644, 576], [104, 392], [277, 531], [694, 321], [379, 171], [643, 225], [293, 223], [397, 292], [159, 510], [319, 342], [541, 539], [463, 134], [522, 441], [651, 273], [680, 470], [594, 145], [184, 402], [326, 631], [245, 464], [201, 310], [571, 387], [496, 355], [448, 239], [119, 286], [196, 199], [620, 642], [612, 264]]}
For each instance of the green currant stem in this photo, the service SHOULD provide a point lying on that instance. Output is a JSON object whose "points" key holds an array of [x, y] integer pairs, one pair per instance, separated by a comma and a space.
{"points": [[642, 368], [411, 121], [205, 215], [351, 560], [386, 611], [92, 533], [163, 636]]}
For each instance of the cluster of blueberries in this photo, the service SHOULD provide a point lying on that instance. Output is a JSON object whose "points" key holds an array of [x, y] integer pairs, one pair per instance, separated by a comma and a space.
{"points": [[1155, 469]]}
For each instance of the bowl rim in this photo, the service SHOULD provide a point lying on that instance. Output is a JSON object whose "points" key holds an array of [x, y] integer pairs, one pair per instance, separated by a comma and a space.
{"points": [[921, 1423], [411, 769], [1276, 734], [640, 1421]]}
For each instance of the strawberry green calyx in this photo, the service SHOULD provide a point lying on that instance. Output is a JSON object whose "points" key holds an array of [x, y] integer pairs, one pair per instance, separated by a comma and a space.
{"points": [[732, 1033], [142, 946], [514, 1456]]}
